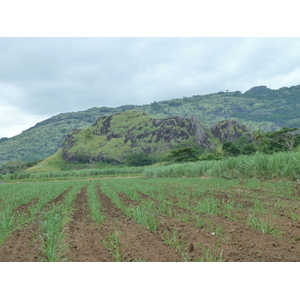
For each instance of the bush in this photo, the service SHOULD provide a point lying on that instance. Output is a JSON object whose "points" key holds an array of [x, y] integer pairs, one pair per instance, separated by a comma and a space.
{"points": [[187, 154], [139, 159], [230, 149], [242, 141], [248, 149]]}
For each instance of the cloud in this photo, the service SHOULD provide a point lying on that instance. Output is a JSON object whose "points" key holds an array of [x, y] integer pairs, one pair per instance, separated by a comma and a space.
{"points": [[13, 121], [47, 76]]}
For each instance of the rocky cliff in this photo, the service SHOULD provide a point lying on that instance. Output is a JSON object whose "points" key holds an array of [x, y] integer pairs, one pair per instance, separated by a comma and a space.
{"points": [[112, 138], [230, 130]]}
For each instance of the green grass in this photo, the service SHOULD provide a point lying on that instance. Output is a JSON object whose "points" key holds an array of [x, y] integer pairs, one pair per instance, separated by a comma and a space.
{"points": [[210, 255], [144, 212], [208, 206], [64, 175], [94, 204], [145, 215], [112, 243], [52, 236], [295, 217], [53, 223], [283, 165], [13, 196], [172, 238], [265, 225]]}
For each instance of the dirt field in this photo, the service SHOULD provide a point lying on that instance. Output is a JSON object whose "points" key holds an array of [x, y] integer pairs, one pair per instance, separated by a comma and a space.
{"points": [[183, 232]]}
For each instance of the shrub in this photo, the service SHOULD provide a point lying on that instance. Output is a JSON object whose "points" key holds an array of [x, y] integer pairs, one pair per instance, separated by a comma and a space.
{"points": [[248, 149], [187, 154], [231, 149], [139, 159]]}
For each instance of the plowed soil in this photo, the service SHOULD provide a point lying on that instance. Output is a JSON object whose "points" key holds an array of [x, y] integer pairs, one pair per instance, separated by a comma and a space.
{"points": [[24, 245], [177, 238]]}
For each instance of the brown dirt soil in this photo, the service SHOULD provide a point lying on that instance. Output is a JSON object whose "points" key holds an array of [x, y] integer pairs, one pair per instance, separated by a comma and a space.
{"points": [[136, 242], [236, 240], [242, 243], [60, 197], [23, 209], [84, 235], [176, 239], [24, 245]]}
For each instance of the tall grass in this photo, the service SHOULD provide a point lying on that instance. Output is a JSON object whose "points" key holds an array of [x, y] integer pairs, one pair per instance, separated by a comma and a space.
{"points": [[261, 166], [74, 173]]}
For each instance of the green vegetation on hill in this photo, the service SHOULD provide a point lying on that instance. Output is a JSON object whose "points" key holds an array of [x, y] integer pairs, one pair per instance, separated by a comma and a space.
{"points": [[259, 108], [114, 138], [283, 140]]}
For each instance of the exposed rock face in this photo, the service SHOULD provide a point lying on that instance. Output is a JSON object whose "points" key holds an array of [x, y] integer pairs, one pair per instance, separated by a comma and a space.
{"points": [[68, 143], [230, 130], [131, 132], [170, 129], [200, 131], [114, 137]]}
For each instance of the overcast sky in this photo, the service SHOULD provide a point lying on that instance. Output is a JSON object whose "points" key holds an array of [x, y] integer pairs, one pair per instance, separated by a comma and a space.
{"points": [[42, 77]]}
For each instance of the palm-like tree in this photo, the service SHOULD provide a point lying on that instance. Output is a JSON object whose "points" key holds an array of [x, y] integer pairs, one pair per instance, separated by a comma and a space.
{"points": [[258, 137]]}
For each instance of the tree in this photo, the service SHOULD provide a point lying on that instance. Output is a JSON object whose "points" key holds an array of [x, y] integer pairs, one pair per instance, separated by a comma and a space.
{"points": [[242, 141], [281, 140], [248, 149], [288, 140], [88, 133], [258, 137], [155, 106], [184, 154], [230, 149], [139, 159]]}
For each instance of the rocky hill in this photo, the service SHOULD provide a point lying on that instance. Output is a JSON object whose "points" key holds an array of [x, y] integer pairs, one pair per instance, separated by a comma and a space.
{"points": [[258, 108], [112, 138]]}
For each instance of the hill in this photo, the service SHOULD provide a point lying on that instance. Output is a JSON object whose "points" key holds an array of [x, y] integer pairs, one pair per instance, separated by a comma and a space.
{"points": [[258, 108], [113, 138]]}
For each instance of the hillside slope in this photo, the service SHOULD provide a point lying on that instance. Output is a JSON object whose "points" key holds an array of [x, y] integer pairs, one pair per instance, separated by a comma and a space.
{"points": [[112, 138], [259, 108]]}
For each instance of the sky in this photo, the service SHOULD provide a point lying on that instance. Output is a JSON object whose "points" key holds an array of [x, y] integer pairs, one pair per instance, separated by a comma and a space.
{"points": [[42, 76]]}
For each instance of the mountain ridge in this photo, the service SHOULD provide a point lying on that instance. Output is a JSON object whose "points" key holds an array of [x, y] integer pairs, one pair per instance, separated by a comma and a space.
{"points": [[258, 108]]}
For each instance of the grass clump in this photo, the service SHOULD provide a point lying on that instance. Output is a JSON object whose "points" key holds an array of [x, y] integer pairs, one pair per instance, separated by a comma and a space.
{"points": [[112, 243], [265, 225], [172, 238], [210, 255]]}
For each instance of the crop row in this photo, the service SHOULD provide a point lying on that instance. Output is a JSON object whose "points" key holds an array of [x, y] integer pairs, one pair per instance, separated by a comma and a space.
{"points": [[16, 196], [192, 201]]}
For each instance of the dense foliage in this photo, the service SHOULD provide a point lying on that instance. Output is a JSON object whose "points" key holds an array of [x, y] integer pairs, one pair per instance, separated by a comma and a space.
{"points": [[139, 159], [184, 155]]}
